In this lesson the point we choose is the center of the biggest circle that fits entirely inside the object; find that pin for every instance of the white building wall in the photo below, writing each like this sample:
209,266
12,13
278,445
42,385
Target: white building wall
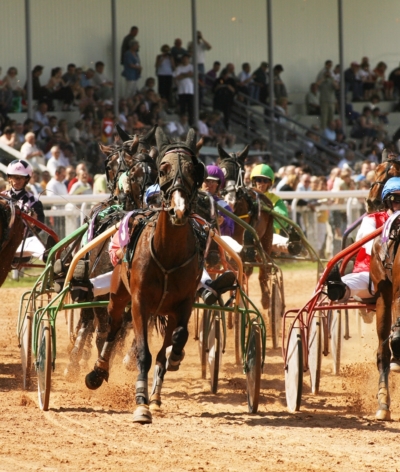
304,32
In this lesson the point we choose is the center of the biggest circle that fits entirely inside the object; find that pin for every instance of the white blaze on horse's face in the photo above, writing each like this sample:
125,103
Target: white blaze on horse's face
230,196
179,208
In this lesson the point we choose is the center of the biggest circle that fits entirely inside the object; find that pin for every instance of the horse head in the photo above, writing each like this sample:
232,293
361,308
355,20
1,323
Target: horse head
390,167
181,174
232,166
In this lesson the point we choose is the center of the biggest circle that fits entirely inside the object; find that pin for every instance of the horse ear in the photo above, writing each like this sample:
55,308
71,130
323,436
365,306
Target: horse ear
153,153
134,146
122,134
243,154
161,139
222,153
191,140
149,137
199,145
105,149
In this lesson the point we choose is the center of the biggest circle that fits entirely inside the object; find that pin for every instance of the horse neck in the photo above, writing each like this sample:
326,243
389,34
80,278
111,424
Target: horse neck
172,244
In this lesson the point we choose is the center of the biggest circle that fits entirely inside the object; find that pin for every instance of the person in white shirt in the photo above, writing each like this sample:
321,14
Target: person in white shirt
81,186
56,187
57,159
42,125
184,78
31,152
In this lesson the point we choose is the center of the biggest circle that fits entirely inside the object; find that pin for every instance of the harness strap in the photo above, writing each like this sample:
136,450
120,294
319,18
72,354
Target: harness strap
165,271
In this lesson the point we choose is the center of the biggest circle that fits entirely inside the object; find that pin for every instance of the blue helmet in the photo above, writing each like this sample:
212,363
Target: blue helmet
392,185
152,191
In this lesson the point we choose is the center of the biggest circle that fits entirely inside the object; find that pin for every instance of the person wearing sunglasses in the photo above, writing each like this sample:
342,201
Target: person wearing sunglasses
262,177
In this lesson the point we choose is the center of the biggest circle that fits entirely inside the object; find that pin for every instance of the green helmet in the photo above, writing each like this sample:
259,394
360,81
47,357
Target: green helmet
262,170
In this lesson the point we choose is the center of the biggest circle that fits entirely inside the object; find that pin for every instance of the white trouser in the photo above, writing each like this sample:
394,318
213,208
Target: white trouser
131,87
358,284
32,248
279,243
101,283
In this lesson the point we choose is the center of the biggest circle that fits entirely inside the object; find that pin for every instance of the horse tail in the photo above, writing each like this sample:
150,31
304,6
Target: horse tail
159,323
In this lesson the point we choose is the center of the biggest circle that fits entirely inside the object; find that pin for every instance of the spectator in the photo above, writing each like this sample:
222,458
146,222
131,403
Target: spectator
312,100
75,134
79,167
184,77
330,131
224,94
132,69
203,130
82,185
56,160
104,86
245,80
56,185
126,43
384,87
367,80
339,217
279,87
59,90
165,66
41,126
8,137
326,71
100,184
64,134
72,79
347,161
212,74
86,79
364,129
178,51
45,180
13,83
19,136
353,82
88,102
34,183
305,183
365,168
69,175
327,98
260,78
202,47
394,77
292,180
40,92
322,219
31,152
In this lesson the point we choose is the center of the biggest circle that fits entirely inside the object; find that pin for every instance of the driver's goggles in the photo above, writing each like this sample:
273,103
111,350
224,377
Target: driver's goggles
394,198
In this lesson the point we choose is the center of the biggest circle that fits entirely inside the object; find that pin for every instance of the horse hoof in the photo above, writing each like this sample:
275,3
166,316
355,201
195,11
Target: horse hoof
383,415
173,360
71,372
142,415
395,365
155,406
94,379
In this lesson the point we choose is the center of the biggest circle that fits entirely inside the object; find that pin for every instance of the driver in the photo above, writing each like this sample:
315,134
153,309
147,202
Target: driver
19,173
262,177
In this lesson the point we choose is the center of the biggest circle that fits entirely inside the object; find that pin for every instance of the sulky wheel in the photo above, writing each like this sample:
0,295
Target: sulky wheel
253,367
275,312
203,321
294,369
44,365
214,349
26,346
336,340
315,352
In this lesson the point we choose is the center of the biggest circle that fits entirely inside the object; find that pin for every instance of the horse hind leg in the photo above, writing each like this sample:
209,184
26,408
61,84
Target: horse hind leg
176,352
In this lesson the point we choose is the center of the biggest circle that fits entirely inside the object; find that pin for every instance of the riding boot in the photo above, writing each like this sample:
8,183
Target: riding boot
295,245
248,251
217,287
338,291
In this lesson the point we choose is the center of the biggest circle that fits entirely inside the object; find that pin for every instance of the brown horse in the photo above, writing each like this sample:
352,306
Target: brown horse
387,285
11,234
141,174
162,277
247,204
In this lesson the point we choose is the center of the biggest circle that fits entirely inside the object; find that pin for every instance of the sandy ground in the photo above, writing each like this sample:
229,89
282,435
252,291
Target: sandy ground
199,431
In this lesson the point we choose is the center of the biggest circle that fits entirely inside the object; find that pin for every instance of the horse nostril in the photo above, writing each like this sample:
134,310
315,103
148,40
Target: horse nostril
172,212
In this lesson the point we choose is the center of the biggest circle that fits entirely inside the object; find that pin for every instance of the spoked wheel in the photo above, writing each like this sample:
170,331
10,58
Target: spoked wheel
315,352
237,326
26,347
275,312
253,368
203,321
336,340
214,349
294,370
44,365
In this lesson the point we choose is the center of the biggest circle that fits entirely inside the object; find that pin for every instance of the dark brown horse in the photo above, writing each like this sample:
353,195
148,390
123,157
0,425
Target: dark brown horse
11,234
162,277
247,204
387,286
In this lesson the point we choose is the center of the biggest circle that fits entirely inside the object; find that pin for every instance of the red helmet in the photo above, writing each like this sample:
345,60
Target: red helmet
215,173
20,167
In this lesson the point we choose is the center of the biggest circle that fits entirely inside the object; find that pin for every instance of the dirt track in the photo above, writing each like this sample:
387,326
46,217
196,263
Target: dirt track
334,431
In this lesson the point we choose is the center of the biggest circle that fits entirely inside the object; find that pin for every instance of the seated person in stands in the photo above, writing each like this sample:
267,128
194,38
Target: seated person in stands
262,178
312,100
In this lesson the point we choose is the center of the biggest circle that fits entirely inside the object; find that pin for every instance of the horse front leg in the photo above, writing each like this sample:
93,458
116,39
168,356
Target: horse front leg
119,297
172,351
383,324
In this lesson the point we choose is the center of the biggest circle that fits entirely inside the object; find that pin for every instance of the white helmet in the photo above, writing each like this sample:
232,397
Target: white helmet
20,167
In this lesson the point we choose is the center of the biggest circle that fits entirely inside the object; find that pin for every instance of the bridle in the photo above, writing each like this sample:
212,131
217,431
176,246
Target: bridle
231,164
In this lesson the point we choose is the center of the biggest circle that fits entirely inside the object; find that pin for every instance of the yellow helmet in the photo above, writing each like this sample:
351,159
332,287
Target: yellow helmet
262,170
